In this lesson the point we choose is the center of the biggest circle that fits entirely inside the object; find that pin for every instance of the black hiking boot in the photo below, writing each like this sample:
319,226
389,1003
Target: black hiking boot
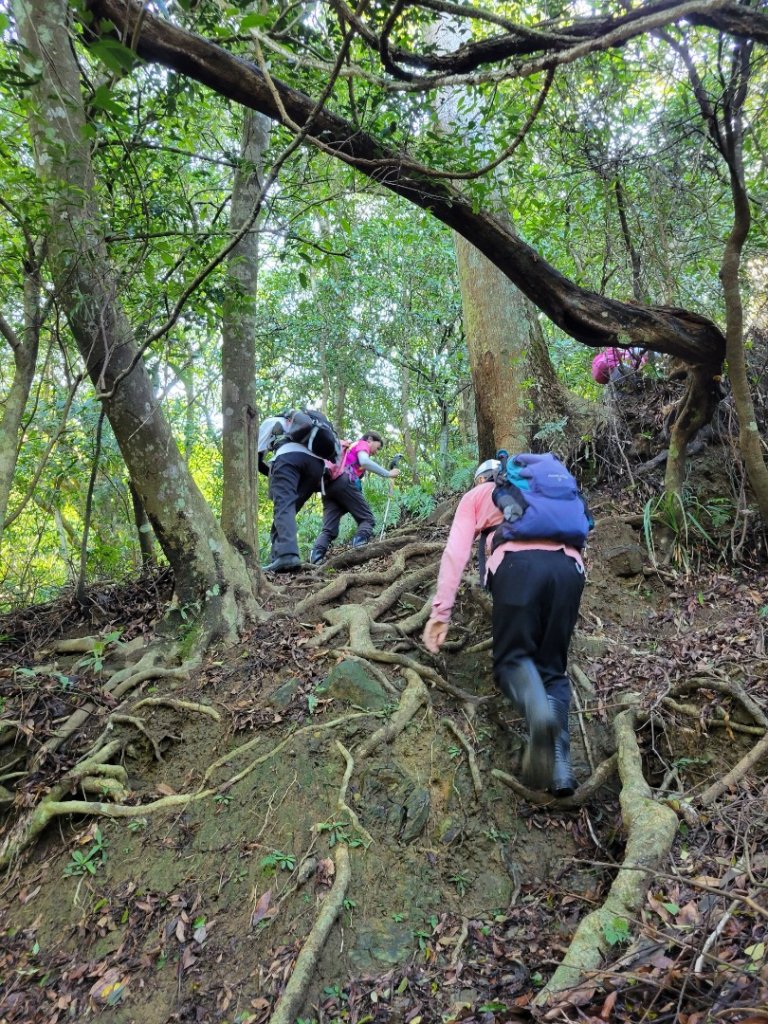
523,686
563,780
284,563
317,556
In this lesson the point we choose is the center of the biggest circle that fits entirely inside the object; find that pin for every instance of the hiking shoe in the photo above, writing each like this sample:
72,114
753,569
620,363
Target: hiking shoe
360,542
284,563
316,556
522,685
563,780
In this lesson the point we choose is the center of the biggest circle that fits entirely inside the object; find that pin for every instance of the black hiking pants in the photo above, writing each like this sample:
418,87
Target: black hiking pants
536,596
344,495
293,479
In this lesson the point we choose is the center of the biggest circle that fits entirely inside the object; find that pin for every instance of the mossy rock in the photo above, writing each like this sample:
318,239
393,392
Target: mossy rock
351,681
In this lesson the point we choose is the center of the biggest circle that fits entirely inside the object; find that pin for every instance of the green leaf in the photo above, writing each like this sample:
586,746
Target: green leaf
104,99
112,53
255,20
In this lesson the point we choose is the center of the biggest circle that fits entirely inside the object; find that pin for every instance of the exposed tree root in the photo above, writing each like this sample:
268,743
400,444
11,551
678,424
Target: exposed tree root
582,680
736,773
118,685
290,1002
414,695
139,726
390,658
474,771
387,683
342,799
407,581
651,830
484,645
721,718
415,621
604,771
393,575
731,687
180,705
94,770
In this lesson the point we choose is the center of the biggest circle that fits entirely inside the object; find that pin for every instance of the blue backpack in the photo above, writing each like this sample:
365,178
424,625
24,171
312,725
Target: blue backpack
540,500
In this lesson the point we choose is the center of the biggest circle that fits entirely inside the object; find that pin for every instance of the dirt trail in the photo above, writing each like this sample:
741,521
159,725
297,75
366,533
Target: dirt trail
463,896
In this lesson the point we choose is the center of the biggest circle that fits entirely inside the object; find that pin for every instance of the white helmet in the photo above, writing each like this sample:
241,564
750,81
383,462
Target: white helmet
488,468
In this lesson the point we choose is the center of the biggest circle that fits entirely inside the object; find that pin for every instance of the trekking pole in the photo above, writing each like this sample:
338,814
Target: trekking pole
392,465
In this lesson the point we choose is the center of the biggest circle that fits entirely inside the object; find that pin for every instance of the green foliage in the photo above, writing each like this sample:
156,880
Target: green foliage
93,661
616,931
89,861
338,832
688,522
278,859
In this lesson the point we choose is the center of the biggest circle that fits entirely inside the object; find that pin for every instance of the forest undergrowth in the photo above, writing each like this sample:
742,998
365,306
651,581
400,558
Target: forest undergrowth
324,822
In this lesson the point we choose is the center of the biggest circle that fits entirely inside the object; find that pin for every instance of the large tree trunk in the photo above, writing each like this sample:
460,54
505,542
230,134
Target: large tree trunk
499,322
584,315
239,508
207,570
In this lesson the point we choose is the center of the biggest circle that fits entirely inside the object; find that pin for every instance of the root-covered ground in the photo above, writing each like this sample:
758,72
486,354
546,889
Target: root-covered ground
324,823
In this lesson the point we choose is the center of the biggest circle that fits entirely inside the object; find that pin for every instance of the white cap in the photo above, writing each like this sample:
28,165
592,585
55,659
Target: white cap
487,467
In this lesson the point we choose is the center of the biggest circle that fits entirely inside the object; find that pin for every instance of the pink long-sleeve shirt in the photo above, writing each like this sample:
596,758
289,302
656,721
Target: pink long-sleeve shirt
477,512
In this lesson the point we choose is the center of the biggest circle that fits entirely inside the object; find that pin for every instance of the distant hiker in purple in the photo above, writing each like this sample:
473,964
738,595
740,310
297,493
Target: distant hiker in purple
343,492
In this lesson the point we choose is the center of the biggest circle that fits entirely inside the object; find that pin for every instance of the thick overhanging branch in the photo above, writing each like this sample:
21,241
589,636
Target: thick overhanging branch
584,315
550,39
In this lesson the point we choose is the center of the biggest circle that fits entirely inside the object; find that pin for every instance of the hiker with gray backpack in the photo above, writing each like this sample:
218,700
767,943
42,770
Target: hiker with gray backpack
343,493
300,440
532,522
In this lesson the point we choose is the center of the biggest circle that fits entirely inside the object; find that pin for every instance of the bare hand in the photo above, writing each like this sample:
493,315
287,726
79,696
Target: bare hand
394,472
434,635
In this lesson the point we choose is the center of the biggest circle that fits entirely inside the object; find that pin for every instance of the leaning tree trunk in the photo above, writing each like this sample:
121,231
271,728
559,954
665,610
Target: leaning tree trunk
750,444
25,347
239,507
208,572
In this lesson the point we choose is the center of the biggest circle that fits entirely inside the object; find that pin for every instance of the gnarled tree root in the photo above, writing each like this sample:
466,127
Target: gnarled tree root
759,751
414,695
94,773
582,796
391,575
651,830
290,1002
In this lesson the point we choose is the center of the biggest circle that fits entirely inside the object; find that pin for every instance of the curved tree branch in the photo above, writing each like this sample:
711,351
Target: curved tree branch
584,315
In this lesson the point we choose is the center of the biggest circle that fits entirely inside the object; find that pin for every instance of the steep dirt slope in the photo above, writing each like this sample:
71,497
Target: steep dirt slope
261,779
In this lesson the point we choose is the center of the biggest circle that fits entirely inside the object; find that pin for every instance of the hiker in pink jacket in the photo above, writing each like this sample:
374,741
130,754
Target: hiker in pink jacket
536,587
613,365
343,493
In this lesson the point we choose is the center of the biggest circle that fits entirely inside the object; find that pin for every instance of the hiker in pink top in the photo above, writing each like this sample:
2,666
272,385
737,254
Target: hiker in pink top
536,587
613,365
343,493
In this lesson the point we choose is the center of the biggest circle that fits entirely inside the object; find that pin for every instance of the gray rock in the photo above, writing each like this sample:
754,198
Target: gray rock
351,681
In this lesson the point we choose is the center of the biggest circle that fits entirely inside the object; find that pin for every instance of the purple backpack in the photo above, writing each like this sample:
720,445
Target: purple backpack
540,500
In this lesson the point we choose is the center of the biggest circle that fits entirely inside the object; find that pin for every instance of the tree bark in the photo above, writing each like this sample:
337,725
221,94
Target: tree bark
239,508
584,315
207,570
25,348
143,528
